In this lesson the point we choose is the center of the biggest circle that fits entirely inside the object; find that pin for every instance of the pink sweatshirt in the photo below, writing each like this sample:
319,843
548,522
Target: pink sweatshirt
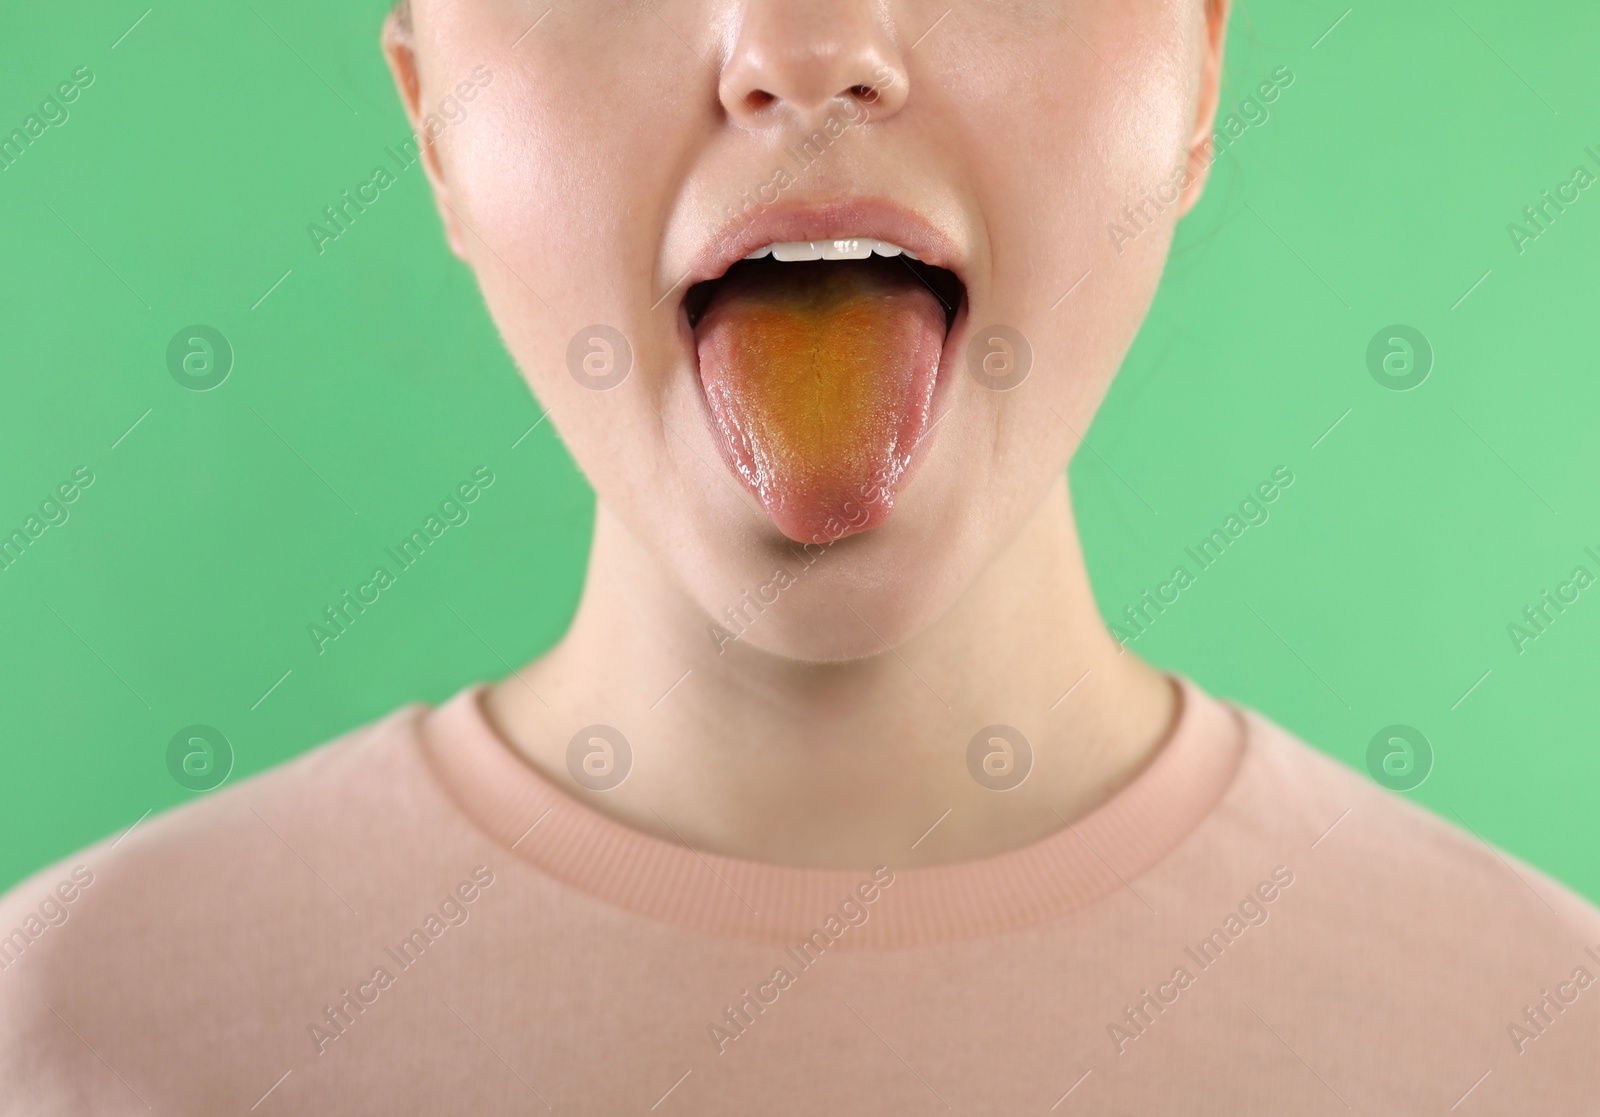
410,919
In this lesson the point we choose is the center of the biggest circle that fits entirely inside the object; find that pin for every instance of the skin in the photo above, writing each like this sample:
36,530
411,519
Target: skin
579,187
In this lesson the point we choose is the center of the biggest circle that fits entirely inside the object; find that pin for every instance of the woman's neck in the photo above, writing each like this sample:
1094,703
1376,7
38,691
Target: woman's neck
854,764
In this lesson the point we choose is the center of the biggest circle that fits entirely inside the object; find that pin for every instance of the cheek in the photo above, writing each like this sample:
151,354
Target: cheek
562,172
538,190
565,192
1080,134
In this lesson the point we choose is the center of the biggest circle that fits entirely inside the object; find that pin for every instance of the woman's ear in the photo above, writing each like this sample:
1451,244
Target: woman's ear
399,48
1200,155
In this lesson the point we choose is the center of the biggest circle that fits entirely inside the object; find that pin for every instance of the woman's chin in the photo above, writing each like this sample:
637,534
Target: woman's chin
858,597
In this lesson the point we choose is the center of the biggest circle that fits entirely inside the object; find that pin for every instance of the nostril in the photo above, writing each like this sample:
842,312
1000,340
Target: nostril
758,99
865,92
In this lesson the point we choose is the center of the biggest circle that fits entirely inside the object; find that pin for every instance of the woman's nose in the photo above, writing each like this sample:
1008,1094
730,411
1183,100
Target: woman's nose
794,59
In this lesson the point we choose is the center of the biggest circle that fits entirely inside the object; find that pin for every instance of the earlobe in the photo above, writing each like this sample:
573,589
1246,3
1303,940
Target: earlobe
398,43
1201,149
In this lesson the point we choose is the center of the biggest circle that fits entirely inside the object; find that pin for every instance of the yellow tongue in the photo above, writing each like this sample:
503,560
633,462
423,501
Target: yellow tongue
819,376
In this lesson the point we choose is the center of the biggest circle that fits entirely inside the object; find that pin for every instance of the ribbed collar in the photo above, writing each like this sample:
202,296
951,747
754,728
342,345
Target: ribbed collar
1048,879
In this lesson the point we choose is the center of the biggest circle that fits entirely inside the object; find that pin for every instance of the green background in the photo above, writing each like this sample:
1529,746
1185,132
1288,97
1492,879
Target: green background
370,381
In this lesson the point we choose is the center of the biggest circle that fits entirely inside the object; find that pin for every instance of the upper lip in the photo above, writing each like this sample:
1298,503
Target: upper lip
836,220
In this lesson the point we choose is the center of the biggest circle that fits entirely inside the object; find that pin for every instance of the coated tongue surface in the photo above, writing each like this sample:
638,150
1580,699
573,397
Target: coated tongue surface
820,377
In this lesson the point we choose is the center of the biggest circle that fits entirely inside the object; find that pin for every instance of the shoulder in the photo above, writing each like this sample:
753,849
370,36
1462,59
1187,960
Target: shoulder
1416,930
356,770
138,952
1361,835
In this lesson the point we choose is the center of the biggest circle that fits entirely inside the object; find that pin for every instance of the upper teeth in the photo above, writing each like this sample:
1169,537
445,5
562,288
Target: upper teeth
857,248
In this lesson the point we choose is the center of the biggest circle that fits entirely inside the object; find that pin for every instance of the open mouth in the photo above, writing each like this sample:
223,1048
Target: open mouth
819,361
